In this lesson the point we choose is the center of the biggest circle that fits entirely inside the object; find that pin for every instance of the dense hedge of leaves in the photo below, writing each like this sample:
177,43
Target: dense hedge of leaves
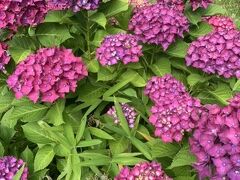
112,89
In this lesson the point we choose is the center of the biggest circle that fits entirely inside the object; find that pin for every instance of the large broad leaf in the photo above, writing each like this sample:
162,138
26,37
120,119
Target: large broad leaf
100,133
178,49
222,93
119,145
58,16
114,7
55,113
33,132
5,101
43,157
161,67
52,34
214,9
106,74
193,16
183,158
200,30
138,81
99,18
1,150
27,156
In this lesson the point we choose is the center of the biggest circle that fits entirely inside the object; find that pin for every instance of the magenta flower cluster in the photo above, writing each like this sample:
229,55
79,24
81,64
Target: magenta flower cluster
9,166
4,57
128,111
85,4
221,23
174,111
216,53
144,171
158,24
216,141
59,4
119,47
49,74
22,13
176,4
200,4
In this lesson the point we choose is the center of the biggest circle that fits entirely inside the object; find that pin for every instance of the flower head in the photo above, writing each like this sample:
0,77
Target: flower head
216,141
144,170
49,74
158,24
4,57
200,3
174,111
22,13
216,53
119,47
85,4
221,23
176,4
59,4
128,111
9,166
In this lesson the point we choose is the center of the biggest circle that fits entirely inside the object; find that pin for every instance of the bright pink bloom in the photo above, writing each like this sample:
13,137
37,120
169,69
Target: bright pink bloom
4,57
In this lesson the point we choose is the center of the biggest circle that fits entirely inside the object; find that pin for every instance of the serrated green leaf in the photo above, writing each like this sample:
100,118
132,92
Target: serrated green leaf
58,16
43,157
214,9
193,79
222,93
114,7
201,30
178,49
161,67
193,16
99,18
55,113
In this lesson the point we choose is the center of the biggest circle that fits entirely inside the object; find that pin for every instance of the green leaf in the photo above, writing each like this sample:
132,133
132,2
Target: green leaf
193,16
100,133
52,34
185,178
193,79
127,161
99,18
5,102
222,93
138,81
29,113
161,149
119,145
92,65
88,143
178,49
236,87
33,132
55,113
18,175
105,74
98,37
58,16
183,158
201,30
214,9
27,156
161,67
43,157
21,46
114,7
1,150
143,148
6,121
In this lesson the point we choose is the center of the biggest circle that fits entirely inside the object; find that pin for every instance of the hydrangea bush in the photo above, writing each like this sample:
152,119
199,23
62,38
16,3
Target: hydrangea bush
119,89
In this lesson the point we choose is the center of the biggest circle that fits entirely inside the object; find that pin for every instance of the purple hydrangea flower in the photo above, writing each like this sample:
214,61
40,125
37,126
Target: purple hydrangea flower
216,53
216,141
176,4
221,23
158,24
200,3
9,166
119,47
59,4
144,170
128,111
85,4
4,57
174,111
49,74
22,13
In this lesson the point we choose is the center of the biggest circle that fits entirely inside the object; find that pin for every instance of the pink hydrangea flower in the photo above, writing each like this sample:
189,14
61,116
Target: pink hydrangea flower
216,141
128,111
49,74
85,4
119,47
176,4
144,170
4,57
200,3
158,24
22,13
174,111
216,53
59,4
9,166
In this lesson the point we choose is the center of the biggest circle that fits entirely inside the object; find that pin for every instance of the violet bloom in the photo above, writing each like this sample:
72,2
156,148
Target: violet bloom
9,166
216,53
128,111
144,170
221,23
216,141
200,4
85,4
59,4
174,111
119,47
158,24
176,4
4,57
22,13
49,74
